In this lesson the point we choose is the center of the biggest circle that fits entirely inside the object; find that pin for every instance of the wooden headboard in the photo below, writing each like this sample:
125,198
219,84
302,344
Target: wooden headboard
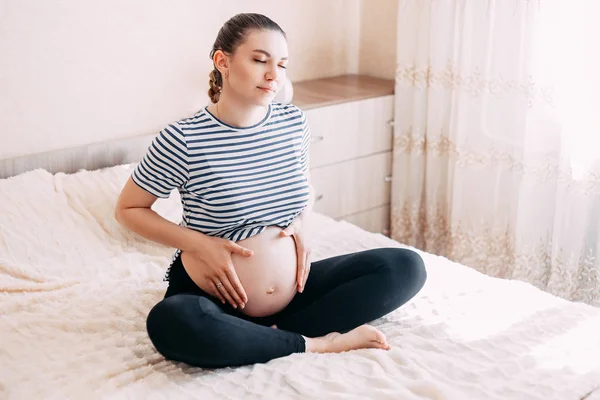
89,157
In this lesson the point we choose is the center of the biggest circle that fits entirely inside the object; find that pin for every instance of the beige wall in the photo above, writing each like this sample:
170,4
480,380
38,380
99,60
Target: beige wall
76,72
378,38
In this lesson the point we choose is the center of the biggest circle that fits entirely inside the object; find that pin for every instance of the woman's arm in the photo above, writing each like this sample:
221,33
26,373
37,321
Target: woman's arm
134,211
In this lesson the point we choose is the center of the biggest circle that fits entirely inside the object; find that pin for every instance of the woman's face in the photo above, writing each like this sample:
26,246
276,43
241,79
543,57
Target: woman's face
257,69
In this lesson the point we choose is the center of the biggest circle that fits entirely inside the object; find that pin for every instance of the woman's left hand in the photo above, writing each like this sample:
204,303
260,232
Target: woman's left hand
296,231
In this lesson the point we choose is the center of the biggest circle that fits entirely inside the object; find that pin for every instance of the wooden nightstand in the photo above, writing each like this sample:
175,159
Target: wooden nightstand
351,159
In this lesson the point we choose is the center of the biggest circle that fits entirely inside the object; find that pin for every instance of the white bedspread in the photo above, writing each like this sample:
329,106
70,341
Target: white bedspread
76,288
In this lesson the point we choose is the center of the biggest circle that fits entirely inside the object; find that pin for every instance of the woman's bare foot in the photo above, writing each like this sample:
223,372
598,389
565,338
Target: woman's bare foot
363,337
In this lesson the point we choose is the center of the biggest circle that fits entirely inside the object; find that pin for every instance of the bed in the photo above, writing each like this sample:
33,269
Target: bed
76,288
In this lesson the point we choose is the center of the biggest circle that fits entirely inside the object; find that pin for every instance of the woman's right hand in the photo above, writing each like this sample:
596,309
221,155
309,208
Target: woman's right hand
211,269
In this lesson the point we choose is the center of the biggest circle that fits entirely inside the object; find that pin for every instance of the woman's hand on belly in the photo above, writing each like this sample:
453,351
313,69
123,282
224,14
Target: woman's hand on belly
211,268
269,276
296,231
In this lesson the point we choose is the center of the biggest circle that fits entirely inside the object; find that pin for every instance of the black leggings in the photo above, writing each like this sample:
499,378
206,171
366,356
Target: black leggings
340,294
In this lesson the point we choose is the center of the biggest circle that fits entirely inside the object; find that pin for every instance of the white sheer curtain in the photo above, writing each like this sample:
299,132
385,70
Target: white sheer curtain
497,138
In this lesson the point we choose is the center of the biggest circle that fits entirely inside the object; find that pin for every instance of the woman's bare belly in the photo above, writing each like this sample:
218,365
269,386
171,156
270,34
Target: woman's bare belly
269,275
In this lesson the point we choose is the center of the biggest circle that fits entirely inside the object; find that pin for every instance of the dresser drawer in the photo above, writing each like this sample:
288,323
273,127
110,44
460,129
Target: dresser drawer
349,130
352,186
376,220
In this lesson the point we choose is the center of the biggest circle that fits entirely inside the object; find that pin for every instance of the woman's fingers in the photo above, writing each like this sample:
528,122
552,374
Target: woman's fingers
236,285
219,277
289,231
226,279
217,293
301,258
306,268
301,266
225,292
229,278
242,251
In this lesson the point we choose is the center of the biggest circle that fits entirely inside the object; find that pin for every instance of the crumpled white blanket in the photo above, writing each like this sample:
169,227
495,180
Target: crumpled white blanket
76,288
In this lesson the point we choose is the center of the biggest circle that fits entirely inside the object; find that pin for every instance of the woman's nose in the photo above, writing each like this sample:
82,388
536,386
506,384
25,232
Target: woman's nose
272,73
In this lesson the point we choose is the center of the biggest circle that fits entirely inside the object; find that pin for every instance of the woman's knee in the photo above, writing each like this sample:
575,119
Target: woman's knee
405,266
173,323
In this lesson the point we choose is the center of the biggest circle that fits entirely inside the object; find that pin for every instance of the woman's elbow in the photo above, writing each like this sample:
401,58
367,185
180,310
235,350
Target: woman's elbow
132,197
119,215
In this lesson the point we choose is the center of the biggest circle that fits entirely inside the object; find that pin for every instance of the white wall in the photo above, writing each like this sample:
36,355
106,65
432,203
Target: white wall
75,72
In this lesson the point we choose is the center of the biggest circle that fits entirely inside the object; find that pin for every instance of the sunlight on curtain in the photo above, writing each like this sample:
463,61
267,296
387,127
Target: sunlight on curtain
574,28
496,158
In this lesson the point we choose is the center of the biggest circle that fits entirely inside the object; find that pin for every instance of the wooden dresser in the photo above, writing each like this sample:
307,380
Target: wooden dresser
350,118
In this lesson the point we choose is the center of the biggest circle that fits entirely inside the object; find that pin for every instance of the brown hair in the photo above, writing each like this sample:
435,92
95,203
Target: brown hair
230,36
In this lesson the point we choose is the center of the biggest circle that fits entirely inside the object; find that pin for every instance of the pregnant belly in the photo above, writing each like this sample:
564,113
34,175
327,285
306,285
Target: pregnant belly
269,275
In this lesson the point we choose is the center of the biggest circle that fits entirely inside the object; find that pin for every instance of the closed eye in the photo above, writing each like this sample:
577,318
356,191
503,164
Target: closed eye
264,62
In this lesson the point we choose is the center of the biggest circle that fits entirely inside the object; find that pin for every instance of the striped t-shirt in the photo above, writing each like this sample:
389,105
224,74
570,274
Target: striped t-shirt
234,182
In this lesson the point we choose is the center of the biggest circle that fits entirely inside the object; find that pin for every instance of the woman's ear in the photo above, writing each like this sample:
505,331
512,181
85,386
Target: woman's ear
221,62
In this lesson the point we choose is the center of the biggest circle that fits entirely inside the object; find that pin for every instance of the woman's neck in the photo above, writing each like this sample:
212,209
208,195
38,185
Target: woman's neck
238,114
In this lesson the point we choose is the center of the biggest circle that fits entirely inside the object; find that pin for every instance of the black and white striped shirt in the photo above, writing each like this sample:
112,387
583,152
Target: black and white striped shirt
233,182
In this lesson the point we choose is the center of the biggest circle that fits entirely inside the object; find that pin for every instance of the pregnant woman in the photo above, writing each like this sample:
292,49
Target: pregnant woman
242,289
